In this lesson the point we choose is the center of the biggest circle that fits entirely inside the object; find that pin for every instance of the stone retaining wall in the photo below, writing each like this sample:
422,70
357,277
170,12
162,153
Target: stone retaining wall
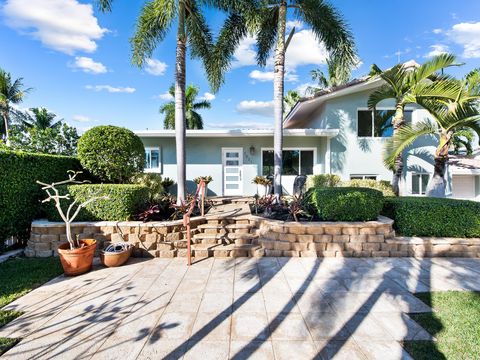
152,239
354,239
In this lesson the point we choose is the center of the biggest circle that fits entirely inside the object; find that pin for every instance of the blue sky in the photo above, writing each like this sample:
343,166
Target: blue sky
78,60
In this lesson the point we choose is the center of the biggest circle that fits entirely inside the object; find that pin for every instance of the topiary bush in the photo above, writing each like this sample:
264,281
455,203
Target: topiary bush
384,186
322,180
345,204
422,216
124,201
19,194
112,154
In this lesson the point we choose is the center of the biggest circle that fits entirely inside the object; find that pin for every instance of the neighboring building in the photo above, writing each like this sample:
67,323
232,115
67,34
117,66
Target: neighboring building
331,132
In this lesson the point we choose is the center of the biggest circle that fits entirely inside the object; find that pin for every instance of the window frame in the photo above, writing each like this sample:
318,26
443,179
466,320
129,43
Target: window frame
382,108
419,184
156,169
299,149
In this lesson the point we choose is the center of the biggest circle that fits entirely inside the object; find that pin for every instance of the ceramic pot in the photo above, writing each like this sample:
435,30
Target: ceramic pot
114,259
77,261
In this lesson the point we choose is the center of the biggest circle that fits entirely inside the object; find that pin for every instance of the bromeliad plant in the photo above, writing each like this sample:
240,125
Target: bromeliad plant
71,213
261,180
206,179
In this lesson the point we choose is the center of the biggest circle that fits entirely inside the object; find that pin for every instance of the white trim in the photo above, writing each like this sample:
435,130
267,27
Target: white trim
314,149
363,176
381,108
240,166
159,168
239,133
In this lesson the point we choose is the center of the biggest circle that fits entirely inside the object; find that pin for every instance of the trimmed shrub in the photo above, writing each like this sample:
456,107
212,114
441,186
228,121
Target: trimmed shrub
112,154
346,204
384,186
20,195
322,181
124,201
422,216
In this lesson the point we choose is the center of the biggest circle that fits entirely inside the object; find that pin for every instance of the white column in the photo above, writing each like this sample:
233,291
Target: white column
327,157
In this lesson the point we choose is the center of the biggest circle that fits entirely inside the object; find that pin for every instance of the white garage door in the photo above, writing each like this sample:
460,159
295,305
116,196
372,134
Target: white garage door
463,186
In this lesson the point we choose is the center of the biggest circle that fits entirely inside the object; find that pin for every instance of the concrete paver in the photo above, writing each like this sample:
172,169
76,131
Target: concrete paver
244,308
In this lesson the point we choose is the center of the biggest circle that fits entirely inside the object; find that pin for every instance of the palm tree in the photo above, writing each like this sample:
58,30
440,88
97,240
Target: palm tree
450,119
290,100
329,28
156,18
463,138
42,119
10,93
405,84
193,118
337,75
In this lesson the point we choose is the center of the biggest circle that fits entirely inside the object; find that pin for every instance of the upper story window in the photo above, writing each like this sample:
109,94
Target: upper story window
363,177
378,124
152,159
295,162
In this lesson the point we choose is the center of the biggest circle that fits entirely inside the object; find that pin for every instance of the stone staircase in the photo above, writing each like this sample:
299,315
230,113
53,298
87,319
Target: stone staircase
226,237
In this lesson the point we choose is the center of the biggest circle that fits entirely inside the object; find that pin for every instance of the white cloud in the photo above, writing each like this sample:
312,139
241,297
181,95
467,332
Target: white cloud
111,89
436,50
164,96
264,76
81,118
437,31
155,67
88,65
294,23
304,49
302,88
245,54
468,36
263,108
207,96
67,26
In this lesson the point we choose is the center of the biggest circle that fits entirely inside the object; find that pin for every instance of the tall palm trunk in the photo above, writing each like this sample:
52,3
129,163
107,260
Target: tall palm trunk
180,131
6,121
398,122
437,185
278,88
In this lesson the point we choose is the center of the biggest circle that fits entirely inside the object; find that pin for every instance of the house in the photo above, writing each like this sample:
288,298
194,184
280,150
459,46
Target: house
331,132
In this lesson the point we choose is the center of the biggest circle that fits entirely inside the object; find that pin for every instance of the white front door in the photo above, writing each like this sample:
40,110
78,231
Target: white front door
232,160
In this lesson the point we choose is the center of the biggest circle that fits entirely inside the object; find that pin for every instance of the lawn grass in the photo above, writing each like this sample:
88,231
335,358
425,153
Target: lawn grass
18,277
455,324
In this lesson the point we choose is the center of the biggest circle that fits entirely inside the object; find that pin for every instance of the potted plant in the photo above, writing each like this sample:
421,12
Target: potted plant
263,185
206,180
75,255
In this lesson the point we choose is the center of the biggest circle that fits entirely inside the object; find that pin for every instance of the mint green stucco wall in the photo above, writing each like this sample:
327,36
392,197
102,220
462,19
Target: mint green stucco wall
204,157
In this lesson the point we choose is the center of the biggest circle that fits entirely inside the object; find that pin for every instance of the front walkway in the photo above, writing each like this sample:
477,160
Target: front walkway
266,308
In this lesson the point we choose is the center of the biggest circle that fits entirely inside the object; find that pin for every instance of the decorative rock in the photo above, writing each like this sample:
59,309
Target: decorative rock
340,238
167,253
281,245
291,253
349,231
367,231
335,247
301,246
306,238
380,254
308,253
315,230
358,238
333,230
375,238
273,253
322,238
287,237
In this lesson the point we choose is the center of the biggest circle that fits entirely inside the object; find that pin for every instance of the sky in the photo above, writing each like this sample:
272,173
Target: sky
77,59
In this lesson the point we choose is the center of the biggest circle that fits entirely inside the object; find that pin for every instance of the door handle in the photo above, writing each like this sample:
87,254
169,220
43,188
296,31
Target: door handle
240,173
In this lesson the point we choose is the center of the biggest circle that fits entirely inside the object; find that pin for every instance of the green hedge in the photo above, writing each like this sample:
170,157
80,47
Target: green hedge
322,181
19,194
124,201
346,204
384,186
422,216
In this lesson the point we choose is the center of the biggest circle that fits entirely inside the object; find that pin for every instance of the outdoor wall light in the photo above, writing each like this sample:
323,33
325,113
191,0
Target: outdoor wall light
252,150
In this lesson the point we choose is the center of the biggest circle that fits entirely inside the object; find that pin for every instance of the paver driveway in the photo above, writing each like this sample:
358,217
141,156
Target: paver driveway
267,308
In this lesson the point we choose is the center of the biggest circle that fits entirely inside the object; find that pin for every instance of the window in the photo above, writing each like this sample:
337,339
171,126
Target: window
419,183
363,177
152,159
295,162
378,124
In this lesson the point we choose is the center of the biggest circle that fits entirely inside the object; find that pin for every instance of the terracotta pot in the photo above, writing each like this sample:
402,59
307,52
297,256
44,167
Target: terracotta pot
77,261
114,259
